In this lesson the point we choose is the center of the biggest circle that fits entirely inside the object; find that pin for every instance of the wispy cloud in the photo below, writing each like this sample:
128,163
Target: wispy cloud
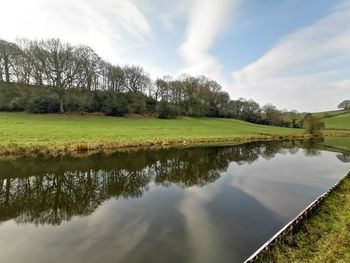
106,25
206,19
303,69
132,19
168,16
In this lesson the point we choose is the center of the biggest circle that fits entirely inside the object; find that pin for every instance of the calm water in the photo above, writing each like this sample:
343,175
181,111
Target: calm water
207,204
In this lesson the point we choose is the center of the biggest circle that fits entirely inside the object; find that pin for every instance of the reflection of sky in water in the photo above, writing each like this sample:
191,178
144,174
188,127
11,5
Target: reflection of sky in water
287,183
223,221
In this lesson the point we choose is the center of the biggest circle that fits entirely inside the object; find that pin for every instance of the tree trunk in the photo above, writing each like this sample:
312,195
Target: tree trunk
7,71
60,91
61,105
60,97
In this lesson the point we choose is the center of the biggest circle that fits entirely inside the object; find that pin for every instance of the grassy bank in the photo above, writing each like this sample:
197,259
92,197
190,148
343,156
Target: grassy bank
24,134
323,237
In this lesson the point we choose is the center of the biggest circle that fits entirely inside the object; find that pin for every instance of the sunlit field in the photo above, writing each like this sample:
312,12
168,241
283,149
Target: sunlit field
29,129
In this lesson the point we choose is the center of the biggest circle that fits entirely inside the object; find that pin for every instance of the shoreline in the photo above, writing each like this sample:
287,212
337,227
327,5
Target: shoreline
14,151
87,149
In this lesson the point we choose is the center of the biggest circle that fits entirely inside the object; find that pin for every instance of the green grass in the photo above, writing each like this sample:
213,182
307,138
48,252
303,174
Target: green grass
327,114
341,121
30,130
324,237
337,119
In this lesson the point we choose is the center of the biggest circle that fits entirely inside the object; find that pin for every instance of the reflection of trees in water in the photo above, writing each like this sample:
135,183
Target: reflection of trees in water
271,149
343,157
52,198
52,191
193,166
311,147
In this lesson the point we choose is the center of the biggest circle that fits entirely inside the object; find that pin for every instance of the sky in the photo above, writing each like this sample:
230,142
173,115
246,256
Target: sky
294,54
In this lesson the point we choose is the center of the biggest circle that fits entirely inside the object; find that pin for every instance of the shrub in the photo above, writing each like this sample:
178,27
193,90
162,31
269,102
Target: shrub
166,110
115,105
45,103
79,101
137,102
16,104
312,125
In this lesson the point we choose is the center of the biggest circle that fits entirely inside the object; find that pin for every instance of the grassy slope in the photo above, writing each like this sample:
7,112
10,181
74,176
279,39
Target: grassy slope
341,121
326,114
28,129
337,119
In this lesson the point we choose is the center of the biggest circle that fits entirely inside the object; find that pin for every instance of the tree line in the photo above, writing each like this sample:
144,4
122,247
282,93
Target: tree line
50,76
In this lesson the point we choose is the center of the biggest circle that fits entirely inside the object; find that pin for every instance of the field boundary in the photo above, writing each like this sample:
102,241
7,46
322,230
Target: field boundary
335,115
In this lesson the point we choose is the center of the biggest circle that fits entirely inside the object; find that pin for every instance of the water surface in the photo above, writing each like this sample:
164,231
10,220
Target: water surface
205,204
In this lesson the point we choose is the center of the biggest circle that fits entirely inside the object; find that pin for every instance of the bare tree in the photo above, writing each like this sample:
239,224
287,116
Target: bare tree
136,79
160,88
89,64
8,53
23,67
58,61
271,114
116,78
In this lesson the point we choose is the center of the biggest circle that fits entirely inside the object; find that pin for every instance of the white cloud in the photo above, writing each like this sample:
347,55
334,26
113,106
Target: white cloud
132,19
206,19
106,25
303,70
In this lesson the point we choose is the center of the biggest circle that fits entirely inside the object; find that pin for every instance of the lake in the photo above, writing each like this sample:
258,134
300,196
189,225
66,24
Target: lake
200,204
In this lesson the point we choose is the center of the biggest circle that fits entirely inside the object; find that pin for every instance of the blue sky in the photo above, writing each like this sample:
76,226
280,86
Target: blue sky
292,53
263,24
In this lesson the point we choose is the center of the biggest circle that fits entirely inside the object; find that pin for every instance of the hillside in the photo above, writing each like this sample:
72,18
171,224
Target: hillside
327,114
338,121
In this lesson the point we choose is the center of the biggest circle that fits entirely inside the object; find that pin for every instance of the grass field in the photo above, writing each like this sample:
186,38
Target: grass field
326,114
341,121
29,131
337,119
